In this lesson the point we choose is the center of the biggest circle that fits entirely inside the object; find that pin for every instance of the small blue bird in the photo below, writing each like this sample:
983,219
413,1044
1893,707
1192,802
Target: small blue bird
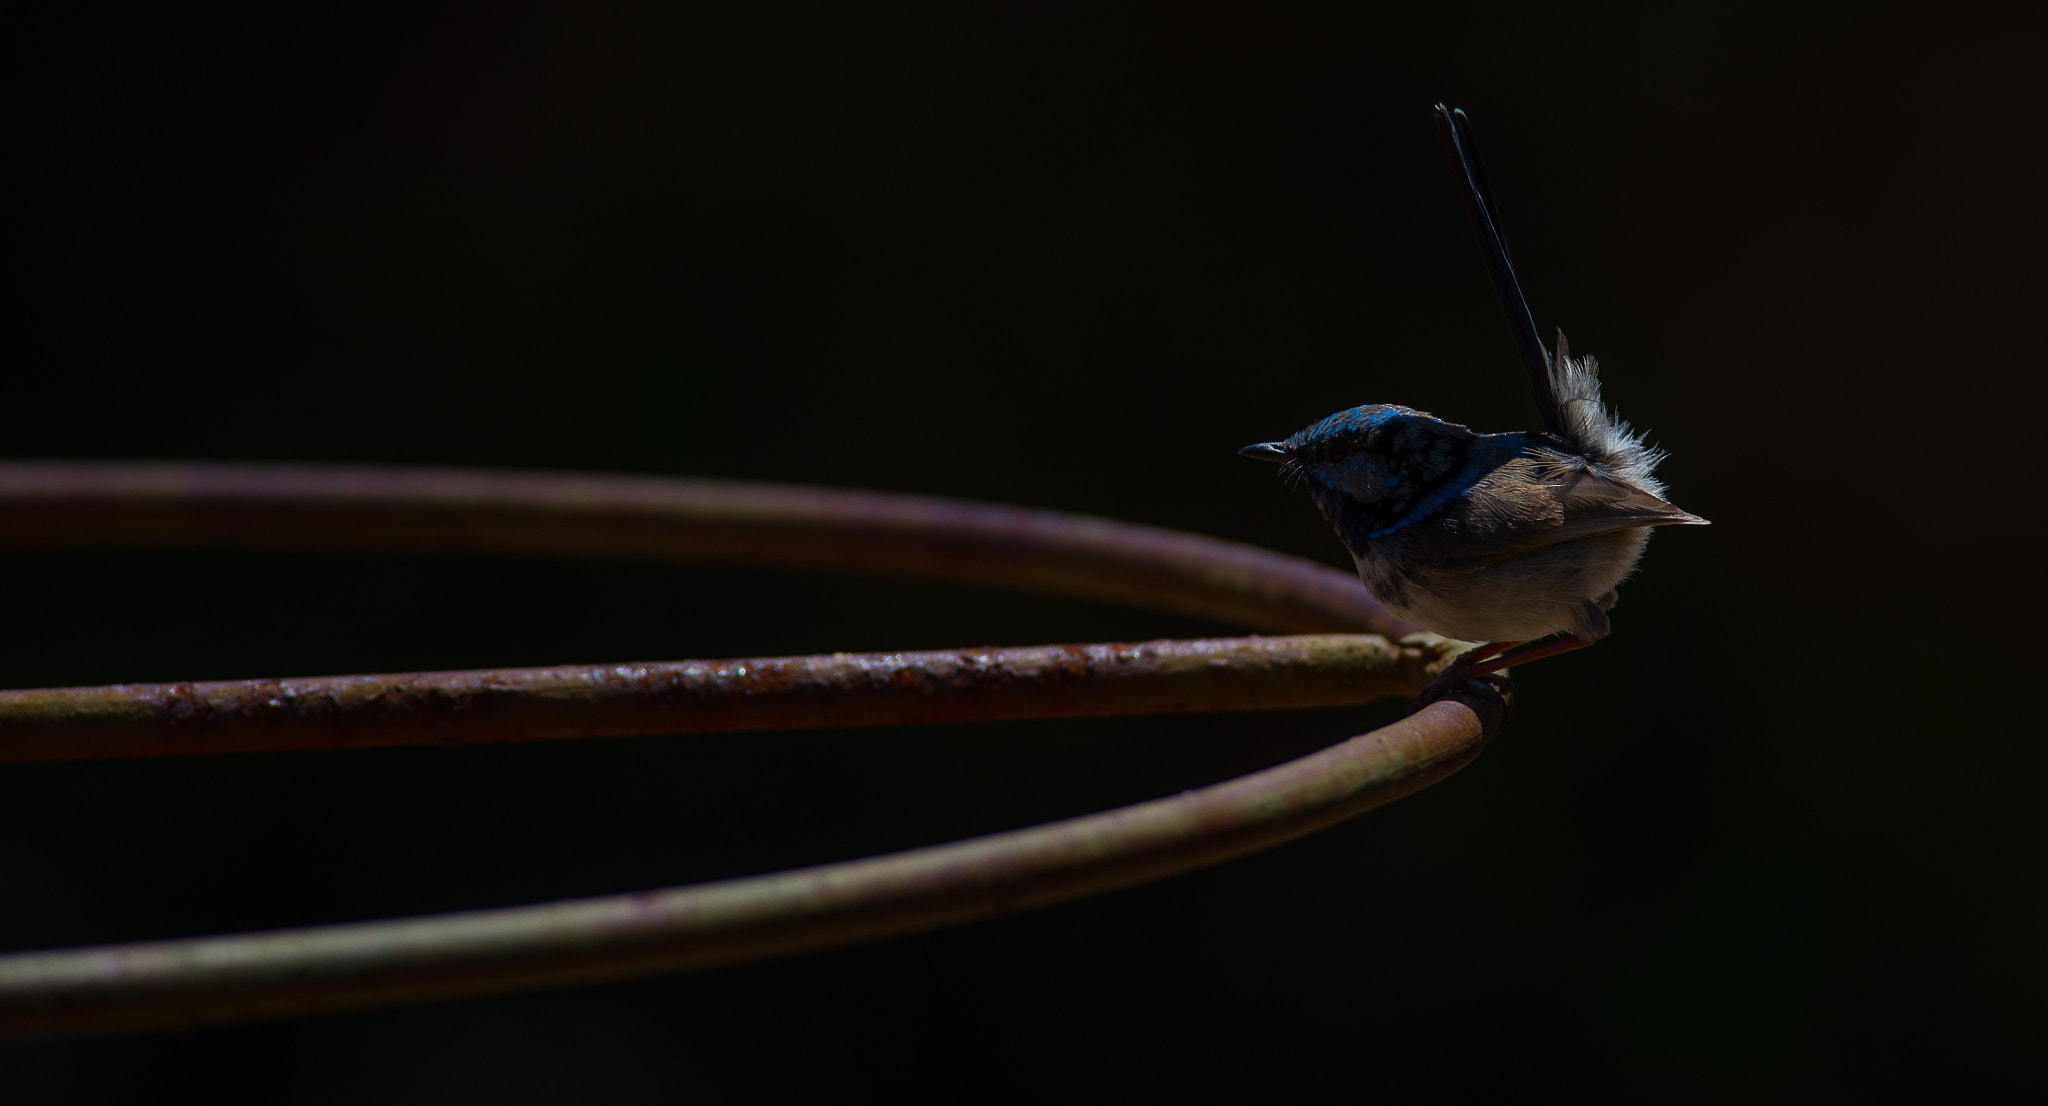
1498,538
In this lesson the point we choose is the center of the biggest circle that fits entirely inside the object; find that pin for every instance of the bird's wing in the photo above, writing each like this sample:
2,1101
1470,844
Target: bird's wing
1597,504
1515,515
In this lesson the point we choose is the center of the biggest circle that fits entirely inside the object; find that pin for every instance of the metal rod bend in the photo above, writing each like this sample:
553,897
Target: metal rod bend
319,969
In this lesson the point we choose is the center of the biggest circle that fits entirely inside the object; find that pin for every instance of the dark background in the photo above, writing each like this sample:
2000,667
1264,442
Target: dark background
1776,838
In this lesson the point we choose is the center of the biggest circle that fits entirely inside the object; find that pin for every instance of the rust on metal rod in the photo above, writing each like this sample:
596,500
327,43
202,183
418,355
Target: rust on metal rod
617,517
319,969
765,693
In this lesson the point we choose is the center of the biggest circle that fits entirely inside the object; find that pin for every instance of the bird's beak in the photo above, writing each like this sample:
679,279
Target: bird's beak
1275,452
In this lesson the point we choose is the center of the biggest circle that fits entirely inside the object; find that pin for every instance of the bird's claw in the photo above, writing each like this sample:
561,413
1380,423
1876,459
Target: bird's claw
1463,681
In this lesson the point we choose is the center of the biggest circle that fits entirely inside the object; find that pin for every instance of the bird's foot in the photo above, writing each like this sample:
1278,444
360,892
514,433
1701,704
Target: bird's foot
1463,669
1492,696
1485,660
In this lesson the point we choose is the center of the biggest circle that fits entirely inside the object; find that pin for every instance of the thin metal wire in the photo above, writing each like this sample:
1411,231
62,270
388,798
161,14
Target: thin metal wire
282,973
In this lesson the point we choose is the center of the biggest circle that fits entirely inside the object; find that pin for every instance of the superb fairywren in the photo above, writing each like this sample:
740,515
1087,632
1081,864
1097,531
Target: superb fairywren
1500,538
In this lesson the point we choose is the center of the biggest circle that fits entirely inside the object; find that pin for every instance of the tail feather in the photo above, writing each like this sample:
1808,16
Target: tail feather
1594,430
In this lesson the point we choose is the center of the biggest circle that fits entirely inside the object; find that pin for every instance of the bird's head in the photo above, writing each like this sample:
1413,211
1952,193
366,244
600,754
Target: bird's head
1347,453
1372,470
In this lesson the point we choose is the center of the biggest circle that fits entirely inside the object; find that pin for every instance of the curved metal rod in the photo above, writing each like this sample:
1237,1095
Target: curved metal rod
764,693
613,517
212,980
240,977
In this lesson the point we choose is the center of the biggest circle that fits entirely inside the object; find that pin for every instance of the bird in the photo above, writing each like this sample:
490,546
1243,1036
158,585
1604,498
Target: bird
1516,540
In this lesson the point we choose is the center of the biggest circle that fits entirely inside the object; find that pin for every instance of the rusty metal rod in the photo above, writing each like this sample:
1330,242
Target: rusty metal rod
766,693
614,517
283,973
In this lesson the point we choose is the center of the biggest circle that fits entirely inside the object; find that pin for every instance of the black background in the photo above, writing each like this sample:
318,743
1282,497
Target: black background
1776,838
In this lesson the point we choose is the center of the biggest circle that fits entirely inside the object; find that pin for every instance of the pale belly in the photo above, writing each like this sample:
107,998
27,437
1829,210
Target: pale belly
1562,588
